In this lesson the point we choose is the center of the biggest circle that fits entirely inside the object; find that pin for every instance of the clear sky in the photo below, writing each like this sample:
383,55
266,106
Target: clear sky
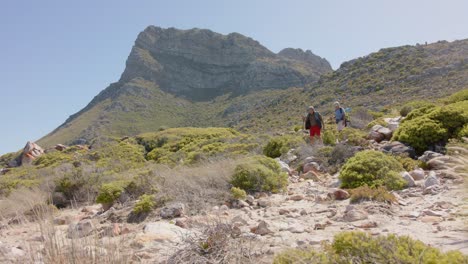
55,56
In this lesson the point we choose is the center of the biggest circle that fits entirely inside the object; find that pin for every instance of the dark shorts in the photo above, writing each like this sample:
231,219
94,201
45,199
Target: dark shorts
315,131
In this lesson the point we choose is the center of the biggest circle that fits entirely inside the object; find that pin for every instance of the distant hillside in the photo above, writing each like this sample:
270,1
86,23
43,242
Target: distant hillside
158,90
389,77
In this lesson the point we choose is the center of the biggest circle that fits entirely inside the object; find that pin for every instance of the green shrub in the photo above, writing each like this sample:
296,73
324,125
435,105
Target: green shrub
353,136
420,133
408,107
145,204
329,138
372,168
463,132
109,192
238,193
190,145
452,117
378,121
360,247
457,97
259,173
418,113
366,193
430,125
278,146
408,163
52,159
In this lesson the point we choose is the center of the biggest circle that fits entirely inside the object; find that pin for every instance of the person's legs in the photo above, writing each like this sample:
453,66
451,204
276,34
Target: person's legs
315,132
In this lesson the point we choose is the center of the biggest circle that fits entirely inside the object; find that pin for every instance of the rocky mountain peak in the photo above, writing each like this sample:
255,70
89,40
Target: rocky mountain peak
202,64
304,56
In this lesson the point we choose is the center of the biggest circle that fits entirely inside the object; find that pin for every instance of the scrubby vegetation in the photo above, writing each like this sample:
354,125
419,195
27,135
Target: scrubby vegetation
427,126
366,193
359,247
372,168
259,173
145,204
238,193
189,145
278,146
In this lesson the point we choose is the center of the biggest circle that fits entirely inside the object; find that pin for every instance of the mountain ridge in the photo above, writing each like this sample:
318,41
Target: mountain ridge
137,103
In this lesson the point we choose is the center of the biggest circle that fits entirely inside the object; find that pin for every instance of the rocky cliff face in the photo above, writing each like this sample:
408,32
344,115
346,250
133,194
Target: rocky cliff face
201,64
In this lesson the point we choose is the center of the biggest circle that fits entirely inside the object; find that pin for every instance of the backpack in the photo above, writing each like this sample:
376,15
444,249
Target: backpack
346,121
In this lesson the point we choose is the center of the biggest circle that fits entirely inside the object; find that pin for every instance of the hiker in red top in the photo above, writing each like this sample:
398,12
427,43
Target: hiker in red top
314,122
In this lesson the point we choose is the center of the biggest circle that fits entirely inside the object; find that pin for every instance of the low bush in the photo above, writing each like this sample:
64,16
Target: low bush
329,138
278,146
372,168
259,173
410,106
362,247
457,97
110,192
353,136
420,133
145,204
366,193
190,145
408,163
238,193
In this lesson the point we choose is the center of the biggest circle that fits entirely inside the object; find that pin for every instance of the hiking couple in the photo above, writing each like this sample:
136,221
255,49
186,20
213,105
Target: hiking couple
314,121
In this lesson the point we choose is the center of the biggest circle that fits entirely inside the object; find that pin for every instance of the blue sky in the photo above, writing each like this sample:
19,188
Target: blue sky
55,56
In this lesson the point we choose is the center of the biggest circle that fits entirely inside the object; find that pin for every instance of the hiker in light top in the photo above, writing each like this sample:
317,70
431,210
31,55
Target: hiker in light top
314,122
340,117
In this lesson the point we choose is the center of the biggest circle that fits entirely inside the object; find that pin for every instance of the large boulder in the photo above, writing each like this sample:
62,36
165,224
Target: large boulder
380,133
408,178
164,232
429,155
31,152
398,148
172,210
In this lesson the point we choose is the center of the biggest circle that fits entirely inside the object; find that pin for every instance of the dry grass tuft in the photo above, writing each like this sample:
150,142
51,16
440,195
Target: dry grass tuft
219,243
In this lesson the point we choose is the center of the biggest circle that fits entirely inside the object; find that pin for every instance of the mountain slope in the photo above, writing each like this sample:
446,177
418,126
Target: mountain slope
139,102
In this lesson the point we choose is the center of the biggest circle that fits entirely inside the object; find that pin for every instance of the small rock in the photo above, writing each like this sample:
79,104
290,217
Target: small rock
297,197
163,232
409,180
81,229
340,194
284,166
354,215
264,203
417,174
312,166
241,204
17,252
182,223
297,229
262,229
311,175
434,189
250,199
431,180
432,213
303,212
367,225
428,155
430,219
172,210
283,211
60,147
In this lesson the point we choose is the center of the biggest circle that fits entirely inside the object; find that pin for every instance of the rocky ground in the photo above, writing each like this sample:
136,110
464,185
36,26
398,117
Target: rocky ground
434,210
